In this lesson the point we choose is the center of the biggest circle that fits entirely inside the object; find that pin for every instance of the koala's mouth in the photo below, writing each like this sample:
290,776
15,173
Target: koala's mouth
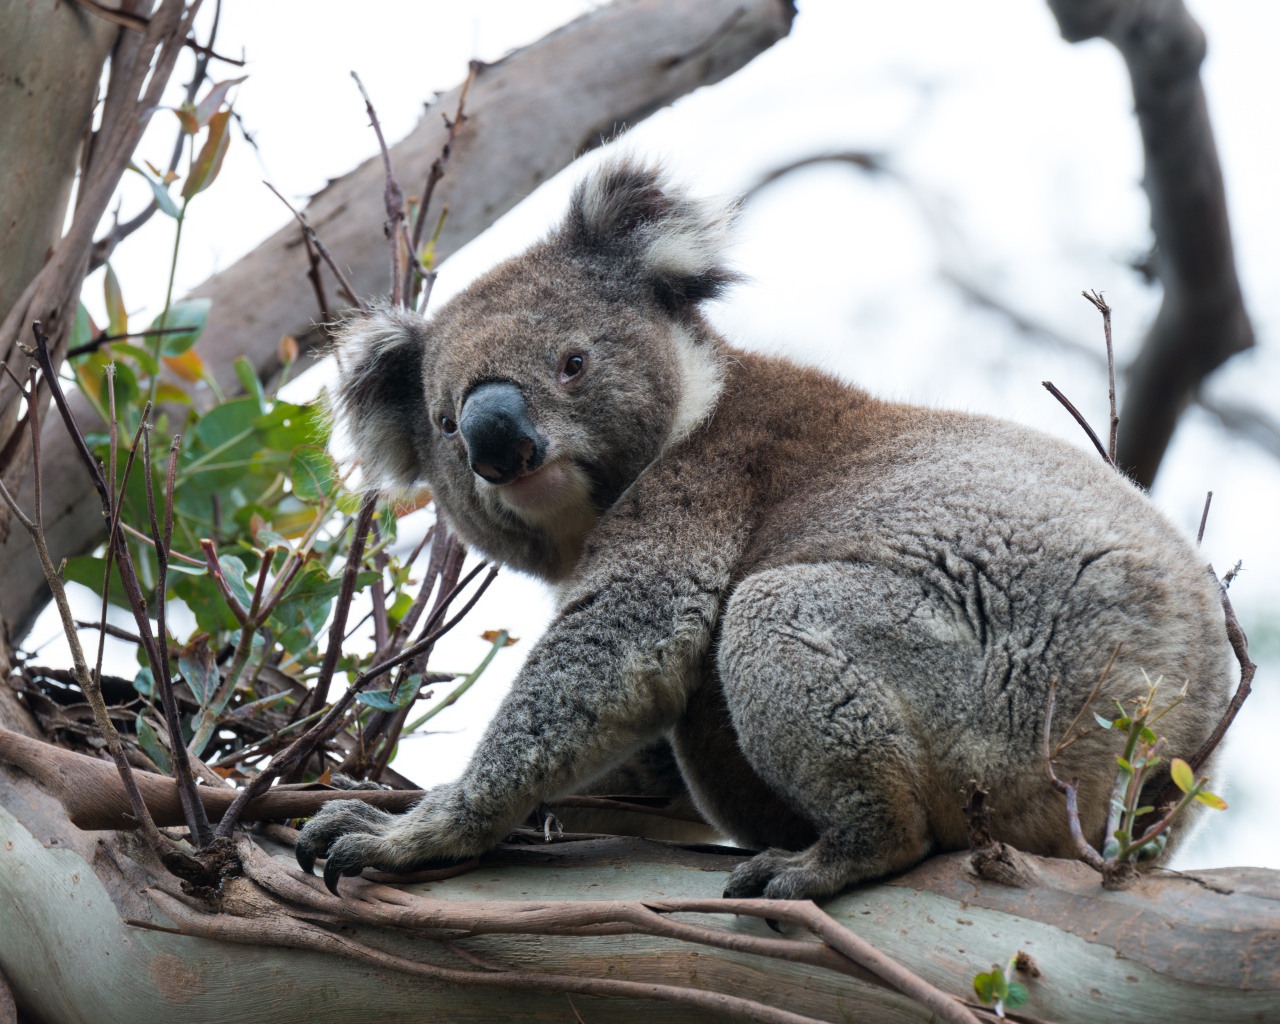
552,487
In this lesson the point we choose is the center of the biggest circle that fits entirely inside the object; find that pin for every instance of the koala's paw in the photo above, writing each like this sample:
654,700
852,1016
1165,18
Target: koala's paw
351,836
334,819
782,875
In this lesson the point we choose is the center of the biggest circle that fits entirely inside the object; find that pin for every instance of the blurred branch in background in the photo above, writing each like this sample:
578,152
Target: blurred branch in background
540,108
1202,320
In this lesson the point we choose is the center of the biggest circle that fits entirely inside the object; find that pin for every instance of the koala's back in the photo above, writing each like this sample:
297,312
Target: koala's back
994,560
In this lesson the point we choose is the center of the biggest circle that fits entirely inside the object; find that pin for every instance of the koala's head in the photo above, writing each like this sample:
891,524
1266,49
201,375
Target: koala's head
533,399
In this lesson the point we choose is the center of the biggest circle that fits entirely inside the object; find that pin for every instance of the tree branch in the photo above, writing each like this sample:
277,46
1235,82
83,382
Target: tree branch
1202,320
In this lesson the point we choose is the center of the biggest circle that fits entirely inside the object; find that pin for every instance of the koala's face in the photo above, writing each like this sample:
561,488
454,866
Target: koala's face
533,399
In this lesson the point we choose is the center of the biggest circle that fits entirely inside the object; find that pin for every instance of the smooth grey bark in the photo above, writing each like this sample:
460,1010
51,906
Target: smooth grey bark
51,57
1198,947
529,115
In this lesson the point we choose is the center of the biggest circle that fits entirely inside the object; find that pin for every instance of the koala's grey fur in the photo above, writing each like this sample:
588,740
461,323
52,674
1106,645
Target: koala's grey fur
838,610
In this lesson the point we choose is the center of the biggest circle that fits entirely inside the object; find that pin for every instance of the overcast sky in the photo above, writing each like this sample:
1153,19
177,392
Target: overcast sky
1024,163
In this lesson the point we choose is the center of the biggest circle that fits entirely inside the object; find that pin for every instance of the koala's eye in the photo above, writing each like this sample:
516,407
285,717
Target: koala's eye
448,426
573,366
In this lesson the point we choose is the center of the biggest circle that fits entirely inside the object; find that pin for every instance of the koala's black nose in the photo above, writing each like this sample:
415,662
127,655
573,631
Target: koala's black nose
502,442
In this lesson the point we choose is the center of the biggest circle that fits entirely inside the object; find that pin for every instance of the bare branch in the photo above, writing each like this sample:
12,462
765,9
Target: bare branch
392,197
1204,518
1202,320
1095,297
1068,789
1079,418
347,290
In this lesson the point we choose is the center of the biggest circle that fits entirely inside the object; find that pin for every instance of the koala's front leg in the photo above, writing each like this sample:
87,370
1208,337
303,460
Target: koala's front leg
611,673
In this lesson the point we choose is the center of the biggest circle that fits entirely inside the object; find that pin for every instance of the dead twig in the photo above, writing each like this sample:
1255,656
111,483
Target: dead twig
1240,647
348,292
1067,738
392,197
1069,790
434,175
1204,518
1095,297
1079,418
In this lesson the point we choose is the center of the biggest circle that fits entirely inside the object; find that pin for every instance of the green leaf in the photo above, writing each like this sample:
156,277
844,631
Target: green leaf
199,668
144,682
209,161
233,570
248,378
117,315
202,596
83,329
143,358
164,201
190,314
1212,800
1016,997
312,473
1123,723
998,985
984,987
1182,775
1104,722
400,608
151,746
1124,765
1147,736
213,99
385,700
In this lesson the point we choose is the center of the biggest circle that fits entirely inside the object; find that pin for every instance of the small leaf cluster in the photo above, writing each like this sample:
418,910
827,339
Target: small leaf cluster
1142,754
262,517
995,988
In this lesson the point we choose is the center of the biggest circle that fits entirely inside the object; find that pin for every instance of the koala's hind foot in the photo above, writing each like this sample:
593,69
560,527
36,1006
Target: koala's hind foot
824,868
810,662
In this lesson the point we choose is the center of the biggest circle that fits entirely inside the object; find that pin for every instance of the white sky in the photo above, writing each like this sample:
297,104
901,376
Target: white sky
1023,148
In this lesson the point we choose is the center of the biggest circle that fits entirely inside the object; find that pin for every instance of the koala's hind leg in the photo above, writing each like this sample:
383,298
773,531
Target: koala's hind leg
816,662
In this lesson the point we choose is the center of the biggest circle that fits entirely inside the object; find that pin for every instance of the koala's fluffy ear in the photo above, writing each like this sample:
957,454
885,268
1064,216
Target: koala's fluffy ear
379,399
630,210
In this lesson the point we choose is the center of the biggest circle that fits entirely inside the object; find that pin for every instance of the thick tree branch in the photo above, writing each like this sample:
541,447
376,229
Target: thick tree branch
528,115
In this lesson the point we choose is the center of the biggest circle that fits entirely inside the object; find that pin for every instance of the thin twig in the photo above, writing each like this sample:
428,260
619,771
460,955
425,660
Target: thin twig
1099,303
1070,790
348,291
1066,403
179,863
1204,518
392,197
1240,646
197,820
434,175
174,859
313,275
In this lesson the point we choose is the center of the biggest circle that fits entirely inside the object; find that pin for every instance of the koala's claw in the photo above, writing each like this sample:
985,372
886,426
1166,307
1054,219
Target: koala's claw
332,822
347,856
781,875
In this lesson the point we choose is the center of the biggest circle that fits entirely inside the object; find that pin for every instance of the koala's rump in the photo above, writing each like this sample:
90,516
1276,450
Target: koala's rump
995,560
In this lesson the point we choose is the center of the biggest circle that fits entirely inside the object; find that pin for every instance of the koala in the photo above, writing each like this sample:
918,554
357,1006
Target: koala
837,610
